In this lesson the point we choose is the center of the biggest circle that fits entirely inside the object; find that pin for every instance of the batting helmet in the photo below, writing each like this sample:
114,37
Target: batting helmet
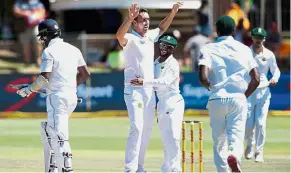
48,29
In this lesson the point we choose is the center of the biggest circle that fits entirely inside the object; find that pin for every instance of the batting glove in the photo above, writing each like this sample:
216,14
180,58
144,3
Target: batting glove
24,92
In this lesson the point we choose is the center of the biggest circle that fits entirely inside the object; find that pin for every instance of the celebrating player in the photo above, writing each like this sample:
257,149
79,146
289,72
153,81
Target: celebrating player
224,68
138,47
171,103
259,101
62,70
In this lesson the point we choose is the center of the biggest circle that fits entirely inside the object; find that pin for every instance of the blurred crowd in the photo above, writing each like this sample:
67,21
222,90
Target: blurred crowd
28,13
202,33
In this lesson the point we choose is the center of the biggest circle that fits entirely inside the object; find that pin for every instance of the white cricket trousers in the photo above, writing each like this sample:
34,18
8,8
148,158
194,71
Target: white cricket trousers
59,108
258,107
140,103
170,117
227,120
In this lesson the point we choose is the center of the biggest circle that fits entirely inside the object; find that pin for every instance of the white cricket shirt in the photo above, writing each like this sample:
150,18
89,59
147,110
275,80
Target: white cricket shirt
266,61
139,55
167,77
62,60
229,62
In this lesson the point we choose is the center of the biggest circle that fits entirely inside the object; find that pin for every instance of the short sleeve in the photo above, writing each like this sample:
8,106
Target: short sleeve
47,62
129,37
154,34
204,58
81,61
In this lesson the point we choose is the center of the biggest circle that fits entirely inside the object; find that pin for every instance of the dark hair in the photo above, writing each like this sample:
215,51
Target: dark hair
224,32
142,10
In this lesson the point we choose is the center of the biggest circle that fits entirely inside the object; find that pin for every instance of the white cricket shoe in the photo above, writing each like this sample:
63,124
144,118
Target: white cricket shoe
259,157
249,153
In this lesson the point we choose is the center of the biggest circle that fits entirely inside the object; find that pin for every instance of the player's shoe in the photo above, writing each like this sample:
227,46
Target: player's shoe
249,153
141,170
233,164
259,157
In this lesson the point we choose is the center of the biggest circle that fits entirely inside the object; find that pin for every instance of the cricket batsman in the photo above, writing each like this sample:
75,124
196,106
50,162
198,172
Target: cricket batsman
259,101
62,70
138,47
225,68
171,103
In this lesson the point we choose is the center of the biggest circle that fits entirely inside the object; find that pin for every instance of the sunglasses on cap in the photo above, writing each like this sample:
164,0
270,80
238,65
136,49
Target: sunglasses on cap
165,45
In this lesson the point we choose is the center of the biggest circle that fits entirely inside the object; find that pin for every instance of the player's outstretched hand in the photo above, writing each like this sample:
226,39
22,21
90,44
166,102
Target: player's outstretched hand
24,92
272,82
176,6
133,12
137,81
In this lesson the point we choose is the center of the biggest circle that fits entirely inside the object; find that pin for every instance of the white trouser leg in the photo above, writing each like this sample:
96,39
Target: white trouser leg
170,115
148,119
218,113
59,109
227,120
134,103
235,128
250,124
261,119
259,103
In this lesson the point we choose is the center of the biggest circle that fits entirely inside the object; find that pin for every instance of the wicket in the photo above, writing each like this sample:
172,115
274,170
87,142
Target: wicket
192,145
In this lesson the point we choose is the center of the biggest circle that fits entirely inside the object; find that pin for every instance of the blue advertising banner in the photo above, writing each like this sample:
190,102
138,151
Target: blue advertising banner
106,93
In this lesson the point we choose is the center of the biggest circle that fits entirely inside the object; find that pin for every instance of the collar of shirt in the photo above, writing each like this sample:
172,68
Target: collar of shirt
137,34
254,53
165,62
55,40
224,38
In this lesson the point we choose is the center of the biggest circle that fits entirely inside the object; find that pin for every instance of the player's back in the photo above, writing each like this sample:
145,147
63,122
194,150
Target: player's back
230,67
66,58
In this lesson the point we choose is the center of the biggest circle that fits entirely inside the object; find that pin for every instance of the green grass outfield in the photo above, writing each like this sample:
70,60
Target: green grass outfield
98,146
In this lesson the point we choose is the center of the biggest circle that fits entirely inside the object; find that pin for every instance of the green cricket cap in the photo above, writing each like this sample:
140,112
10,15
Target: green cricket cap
169,39
259,33
225,24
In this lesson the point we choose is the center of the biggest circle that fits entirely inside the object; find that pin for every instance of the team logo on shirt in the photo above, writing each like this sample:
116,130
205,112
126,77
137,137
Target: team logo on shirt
142,41
264,58
201,56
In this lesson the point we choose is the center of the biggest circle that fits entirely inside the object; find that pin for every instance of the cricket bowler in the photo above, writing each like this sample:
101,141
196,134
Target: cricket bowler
138,47
259,101
226,66
171,104
62,70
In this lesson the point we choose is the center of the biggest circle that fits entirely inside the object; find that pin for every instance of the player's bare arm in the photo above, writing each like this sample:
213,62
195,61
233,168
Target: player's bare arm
203,76
166,22
255,81
83,74
133,12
